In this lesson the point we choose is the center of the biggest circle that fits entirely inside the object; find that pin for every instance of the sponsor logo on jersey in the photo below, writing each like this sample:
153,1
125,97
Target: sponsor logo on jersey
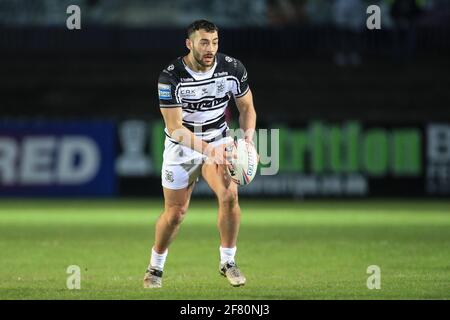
187,93
244,77
206,104
220,74
228,59
164,91
187,79
171,67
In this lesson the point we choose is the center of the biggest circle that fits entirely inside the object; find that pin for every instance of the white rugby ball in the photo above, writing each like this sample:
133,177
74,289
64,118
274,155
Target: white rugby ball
244,168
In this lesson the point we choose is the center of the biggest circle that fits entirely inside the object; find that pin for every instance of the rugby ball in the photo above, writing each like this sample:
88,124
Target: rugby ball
244,166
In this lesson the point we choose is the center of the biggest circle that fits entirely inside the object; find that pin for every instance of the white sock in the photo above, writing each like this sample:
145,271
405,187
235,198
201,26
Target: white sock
227,254
157,260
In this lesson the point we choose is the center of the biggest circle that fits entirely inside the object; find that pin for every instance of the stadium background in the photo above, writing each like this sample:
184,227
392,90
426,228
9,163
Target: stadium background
363,115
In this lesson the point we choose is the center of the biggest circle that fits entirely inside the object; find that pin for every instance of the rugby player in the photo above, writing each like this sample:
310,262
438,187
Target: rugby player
194,91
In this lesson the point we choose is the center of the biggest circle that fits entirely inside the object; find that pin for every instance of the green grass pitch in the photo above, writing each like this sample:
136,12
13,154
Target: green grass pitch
287,250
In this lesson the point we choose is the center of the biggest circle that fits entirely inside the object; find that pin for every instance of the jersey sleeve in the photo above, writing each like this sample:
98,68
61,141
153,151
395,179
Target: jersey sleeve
242,87
167,86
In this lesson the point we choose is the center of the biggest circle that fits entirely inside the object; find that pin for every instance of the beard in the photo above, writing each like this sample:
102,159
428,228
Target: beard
200,61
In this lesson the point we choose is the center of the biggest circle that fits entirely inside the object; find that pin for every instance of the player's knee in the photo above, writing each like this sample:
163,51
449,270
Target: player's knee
228,198
175,215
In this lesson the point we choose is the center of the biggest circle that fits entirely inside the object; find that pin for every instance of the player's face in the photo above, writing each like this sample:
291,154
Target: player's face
204,46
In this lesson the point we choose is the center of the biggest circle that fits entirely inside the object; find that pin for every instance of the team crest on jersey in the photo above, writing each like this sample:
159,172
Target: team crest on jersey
169,176
220,86
228,59
164,91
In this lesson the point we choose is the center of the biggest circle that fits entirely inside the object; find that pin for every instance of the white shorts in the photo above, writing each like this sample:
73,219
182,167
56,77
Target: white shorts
177,171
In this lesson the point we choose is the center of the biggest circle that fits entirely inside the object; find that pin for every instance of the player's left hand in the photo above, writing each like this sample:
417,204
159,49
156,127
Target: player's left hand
249,140
222,154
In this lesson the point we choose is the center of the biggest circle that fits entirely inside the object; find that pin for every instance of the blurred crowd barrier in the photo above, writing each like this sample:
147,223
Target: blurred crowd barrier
286,89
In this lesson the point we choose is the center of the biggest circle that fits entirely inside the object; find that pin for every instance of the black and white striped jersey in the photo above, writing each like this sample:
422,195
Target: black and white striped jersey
203,97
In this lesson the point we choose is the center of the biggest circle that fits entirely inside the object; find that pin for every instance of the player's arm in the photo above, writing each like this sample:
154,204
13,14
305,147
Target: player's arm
244,101
247,115
174,124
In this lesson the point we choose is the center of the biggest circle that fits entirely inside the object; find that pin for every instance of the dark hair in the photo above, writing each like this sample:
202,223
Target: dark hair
201,24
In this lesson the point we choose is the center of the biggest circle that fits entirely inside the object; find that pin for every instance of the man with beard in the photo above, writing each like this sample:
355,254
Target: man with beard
194,91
